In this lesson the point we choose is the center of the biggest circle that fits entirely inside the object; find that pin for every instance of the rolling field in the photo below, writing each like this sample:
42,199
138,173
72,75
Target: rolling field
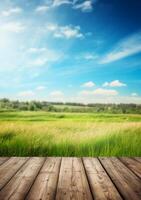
69,134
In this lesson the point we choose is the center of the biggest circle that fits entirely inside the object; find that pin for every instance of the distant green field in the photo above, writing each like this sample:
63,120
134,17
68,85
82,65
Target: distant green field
50,116
69,134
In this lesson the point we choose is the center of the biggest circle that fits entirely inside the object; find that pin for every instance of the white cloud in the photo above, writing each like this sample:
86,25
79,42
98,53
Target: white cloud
42,9
87,56
57,3
99,92
11,11
41,56
36,50
40,88
91,98
38,62
15,27
28,93
52,27
115,83
86,97
126,47
86,6
88,84
67,32
134,94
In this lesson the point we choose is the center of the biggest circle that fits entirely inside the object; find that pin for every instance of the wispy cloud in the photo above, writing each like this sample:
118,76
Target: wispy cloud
42,9
38,62
91,98
51,4
41,56
88,84
11,11
87,56
66,32
36,50
86,6
126,47
90,56
60,2
40,88
134,94
15,27
99,92
115,83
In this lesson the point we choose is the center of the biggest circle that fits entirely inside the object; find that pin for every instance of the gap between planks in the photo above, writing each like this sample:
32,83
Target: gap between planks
70,178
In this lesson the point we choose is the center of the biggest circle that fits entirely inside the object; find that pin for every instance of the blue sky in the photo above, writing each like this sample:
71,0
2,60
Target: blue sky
69,50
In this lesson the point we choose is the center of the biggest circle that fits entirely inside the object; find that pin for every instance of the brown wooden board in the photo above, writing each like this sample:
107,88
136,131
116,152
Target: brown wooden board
20,184
128,184
101,185
45,185
9,168
3,159
133,165
72,181
138,158
51,178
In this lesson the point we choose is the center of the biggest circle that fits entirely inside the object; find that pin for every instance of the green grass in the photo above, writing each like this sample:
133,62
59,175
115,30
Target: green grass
50,116
69,134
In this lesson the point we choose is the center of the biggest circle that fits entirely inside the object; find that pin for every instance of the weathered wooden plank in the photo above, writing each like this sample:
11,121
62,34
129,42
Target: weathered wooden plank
20,184
46,183
72,182
9,168
138,158
128,184
133,165
3,159
101,185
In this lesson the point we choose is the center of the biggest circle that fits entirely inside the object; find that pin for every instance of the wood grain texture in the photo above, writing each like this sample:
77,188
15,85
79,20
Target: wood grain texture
128,184
3,159
52,178
19,185
44,187
138,158
133,165
101,185
9,168
72,181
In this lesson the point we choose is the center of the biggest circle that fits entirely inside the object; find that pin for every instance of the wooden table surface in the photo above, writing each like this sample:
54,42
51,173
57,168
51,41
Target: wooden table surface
70,178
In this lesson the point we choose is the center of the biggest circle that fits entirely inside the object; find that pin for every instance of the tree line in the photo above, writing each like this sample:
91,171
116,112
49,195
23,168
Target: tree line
8,105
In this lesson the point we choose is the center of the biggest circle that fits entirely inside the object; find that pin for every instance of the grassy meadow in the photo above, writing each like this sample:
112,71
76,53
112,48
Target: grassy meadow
41,133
